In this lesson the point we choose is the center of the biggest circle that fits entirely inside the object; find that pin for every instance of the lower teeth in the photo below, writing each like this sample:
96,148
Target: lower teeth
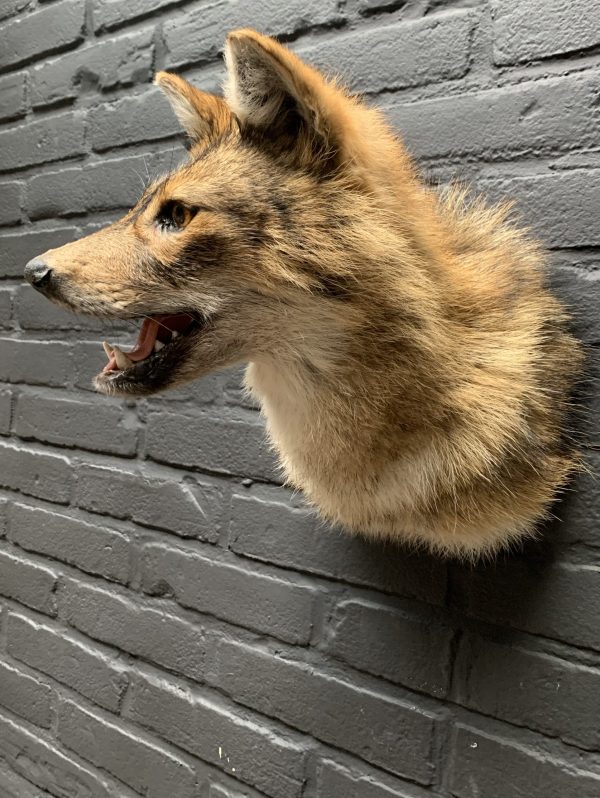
122,361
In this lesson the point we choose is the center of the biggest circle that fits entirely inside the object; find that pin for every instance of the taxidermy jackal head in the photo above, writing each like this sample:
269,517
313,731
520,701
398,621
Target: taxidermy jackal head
412,366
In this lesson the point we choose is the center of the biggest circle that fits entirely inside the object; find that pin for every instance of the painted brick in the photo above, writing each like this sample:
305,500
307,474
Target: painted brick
228,445
114,183
205,391
110,14
13,786
384,730
13,101
333,779
90,547
35,473
6,403
45,766
131,625
578,515
372,6
563,592
4,505
220,791
28,583
531,689
142,118
34,312
254,753
264,602
25,696
560,206
37,142
89,670
34,362
410,648
199,36
16,249
532,117
189,509
433,49
271,530
101,426
42,32
10,7
483,764
144,766
104,65
10,203
543,28
580,292
6,302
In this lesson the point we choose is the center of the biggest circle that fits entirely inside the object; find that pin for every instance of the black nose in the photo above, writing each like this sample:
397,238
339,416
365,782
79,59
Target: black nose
38,273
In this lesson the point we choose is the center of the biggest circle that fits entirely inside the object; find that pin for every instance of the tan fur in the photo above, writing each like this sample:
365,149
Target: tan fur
412,366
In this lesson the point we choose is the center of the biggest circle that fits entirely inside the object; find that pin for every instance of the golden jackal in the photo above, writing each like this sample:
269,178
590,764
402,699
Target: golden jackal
412,366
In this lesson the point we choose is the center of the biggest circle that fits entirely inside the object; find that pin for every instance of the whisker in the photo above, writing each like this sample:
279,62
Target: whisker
147,172
148,316
140,178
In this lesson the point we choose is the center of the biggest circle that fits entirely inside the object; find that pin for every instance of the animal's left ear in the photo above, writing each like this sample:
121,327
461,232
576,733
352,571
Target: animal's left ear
291,105
202,116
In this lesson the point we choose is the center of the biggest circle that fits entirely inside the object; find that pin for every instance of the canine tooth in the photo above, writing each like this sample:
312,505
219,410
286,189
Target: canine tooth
174,334
108,349
158,345
123,362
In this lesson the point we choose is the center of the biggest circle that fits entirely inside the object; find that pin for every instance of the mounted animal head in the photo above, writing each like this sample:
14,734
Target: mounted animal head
247,248
412,365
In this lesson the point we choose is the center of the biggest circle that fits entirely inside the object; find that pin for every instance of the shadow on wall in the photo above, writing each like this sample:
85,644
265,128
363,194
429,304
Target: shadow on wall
547,586
509,619
531,589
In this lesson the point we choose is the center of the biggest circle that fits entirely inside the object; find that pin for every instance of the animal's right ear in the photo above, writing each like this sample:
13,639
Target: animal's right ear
284,101
203,116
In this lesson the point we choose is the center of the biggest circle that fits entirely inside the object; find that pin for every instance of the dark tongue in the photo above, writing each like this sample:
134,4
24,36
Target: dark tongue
153,327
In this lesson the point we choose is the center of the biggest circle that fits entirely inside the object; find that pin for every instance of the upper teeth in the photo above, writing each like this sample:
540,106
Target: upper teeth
158,345
174,334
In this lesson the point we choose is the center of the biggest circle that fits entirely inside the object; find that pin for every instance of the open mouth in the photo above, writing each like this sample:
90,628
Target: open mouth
163,344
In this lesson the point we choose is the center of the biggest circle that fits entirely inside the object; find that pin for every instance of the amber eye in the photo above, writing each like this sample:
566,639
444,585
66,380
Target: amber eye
174,216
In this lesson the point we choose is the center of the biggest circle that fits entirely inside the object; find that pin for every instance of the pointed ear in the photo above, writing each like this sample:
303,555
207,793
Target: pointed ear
272,91
203,116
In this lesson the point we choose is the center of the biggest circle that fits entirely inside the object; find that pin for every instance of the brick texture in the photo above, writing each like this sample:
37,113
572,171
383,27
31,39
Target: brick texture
543,28
13,101
109,63
49,29
25,696
173,621
256,751
37,142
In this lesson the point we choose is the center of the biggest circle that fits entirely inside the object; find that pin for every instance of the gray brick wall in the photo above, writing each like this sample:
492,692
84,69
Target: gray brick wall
173,623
